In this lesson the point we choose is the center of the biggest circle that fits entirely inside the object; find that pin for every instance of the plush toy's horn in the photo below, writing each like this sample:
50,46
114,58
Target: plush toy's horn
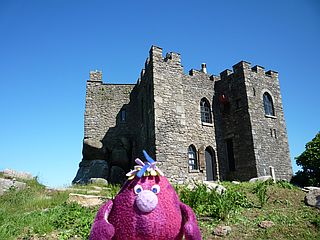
147,164
149,159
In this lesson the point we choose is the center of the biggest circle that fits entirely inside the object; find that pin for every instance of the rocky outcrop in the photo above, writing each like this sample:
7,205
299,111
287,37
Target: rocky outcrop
91,169
117,175
9,173
93,149
313,198
6,184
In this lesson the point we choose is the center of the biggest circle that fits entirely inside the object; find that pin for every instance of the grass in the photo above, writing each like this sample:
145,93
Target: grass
39,213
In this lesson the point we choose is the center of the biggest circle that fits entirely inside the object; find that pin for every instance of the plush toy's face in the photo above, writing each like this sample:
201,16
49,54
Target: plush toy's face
146,199
147,193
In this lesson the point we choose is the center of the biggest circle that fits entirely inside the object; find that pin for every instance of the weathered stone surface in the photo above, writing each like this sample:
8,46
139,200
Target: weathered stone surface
262,179
93,149
6,184
91,169
222,231
312,198
266,224
9,173
162,112
117,175
311,188
99,181
214,186
86,200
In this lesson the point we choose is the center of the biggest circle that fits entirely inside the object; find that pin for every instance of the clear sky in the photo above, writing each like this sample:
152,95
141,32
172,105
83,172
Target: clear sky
47,49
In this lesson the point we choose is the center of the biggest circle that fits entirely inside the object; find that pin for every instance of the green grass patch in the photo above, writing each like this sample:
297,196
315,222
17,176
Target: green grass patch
39,213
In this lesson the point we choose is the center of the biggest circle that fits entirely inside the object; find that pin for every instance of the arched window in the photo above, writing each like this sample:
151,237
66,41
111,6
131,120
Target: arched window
205,111
268,104
192,155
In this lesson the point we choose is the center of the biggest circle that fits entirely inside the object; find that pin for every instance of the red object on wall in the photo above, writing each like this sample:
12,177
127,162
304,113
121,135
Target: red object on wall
223,99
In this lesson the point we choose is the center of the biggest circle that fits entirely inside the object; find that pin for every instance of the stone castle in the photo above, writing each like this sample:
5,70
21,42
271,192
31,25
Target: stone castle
197,126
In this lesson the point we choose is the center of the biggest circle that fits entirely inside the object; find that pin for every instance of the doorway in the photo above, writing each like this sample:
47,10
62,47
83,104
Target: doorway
210,164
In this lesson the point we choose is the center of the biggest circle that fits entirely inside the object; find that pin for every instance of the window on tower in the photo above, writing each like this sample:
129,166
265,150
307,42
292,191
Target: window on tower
192,156
123,115
268,104
205,111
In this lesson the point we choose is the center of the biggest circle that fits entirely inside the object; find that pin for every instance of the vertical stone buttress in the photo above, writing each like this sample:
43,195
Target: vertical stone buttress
169,114
233,121
269,133
259,141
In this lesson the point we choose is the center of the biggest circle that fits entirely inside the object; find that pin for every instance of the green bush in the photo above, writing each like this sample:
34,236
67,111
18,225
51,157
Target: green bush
309,160
212,204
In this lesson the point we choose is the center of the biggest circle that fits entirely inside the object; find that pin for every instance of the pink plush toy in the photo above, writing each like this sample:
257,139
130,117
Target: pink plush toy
147,207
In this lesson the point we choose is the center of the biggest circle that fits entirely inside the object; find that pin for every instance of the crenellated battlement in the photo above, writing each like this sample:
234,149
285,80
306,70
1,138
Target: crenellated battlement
155,54
95,76
244,67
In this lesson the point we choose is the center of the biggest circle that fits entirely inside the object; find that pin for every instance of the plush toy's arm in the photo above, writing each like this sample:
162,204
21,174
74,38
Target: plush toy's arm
102,229
190,228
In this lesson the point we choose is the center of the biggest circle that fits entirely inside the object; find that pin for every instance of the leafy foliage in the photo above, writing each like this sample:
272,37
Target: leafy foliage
261,191
212,204
309,160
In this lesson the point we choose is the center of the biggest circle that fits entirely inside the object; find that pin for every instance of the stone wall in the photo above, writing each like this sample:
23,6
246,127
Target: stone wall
163,116
269,133
233,121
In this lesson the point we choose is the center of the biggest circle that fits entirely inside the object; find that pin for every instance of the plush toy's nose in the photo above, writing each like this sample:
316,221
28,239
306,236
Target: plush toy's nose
146,201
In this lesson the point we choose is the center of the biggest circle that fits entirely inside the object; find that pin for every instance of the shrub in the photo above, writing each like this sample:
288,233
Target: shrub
309,160
212,204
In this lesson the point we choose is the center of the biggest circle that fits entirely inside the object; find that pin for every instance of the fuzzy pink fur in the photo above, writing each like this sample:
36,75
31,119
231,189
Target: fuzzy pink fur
171,219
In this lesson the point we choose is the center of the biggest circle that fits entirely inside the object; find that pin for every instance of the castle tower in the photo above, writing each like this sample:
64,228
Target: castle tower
196,126
253,134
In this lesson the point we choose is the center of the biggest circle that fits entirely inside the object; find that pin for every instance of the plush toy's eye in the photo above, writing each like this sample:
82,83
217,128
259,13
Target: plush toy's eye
137,189
155,189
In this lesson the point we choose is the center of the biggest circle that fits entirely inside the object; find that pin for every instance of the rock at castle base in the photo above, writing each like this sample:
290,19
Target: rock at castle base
9,173
93,149
222,231
98,181
91,169
211,186
313,198
262,179
6,184
117,175
214,186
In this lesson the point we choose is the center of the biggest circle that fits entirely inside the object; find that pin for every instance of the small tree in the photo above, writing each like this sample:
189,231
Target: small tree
309,160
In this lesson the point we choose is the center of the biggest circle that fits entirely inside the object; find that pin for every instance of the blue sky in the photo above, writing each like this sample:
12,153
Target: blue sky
47,49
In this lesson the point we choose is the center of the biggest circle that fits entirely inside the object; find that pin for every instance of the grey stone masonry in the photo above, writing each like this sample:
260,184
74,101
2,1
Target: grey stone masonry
197,126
